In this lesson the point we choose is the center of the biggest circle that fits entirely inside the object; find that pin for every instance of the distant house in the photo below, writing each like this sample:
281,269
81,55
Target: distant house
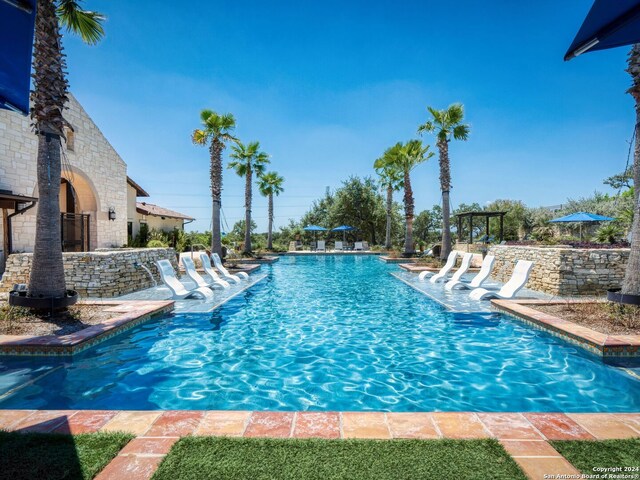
98,202
159,218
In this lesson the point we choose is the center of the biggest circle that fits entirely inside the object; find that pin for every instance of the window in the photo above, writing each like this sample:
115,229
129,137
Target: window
70,135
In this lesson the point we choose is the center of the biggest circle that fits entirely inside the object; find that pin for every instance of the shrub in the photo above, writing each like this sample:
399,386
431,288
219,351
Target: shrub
156,244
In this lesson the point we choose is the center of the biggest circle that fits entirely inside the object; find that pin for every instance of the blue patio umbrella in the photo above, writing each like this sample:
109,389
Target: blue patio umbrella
609,24
581,217
17,21
344,229
315,229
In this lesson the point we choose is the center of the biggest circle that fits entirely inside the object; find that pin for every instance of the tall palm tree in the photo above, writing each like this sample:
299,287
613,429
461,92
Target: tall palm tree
391,180
216,132
404,158
631,282
446,124
270,184
248,159
48,97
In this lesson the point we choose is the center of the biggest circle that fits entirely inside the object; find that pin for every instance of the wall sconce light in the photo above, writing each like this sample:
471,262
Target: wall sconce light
112,213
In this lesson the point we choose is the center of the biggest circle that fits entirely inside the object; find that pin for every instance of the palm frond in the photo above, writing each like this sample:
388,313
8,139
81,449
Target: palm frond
461,132
205,114
85,23
199,137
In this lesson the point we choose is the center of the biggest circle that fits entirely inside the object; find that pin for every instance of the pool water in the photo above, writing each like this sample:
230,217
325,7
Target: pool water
325,333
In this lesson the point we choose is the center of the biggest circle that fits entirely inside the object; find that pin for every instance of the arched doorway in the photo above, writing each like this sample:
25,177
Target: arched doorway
78,208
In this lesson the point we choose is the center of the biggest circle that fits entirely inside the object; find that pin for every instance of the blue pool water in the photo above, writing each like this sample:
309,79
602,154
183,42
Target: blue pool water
325,333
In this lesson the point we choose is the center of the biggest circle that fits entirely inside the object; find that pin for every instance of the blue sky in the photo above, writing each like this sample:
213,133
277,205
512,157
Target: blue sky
327,86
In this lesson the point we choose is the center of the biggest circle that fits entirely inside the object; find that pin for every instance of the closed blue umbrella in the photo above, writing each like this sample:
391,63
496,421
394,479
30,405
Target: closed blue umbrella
17,21
609,24
582,217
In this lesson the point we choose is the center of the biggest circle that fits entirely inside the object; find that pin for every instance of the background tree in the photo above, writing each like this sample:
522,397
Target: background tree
216,132
631,283
427,223
49,97
270,184
446,124
405,157
248,159
391,180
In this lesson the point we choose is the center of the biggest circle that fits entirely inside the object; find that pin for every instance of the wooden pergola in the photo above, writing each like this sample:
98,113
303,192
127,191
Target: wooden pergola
486,215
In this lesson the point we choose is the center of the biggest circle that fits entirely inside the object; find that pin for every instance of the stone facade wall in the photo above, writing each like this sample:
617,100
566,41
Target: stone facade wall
96,170
564,271
97,274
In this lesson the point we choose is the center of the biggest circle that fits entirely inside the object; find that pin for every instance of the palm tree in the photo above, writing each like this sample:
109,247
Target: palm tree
391,180
49,96
216,132
248,159
446,124
631,282
404,158
270,184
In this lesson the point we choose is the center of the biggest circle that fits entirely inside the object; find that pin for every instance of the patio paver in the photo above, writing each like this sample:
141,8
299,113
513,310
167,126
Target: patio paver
365,425
558,426
460,425
176,423
412,425
603,426
85,422
137,423
224,423
317,425
270,424
512,426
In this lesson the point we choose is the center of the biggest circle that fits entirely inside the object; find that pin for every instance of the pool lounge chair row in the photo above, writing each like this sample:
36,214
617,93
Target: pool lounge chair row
219,277
518,279
321,246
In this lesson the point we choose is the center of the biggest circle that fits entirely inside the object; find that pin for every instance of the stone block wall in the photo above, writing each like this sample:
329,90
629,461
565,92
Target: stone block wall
564,271
109,273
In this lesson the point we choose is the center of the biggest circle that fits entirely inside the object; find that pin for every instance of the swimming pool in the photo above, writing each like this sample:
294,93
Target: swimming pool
325,333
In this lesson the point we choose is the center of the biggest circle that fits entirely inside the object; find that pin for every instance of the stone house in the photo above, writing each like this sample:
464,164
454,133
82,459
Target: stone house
98,202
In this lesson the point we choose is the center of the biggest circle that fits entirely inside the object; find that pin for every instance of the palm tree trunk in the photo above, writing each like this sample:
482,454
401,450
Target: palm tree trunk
216,195
49,97
270,233
408,214
445,187
247,210
387,238
631,283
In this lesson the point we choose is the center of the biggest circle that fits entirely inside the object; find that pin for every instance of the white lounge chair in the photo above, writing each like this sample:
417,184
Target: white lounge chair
451,262
224,273
358,246
365,246
320,246
190,269
518,280
478,280
464,266
209,270
179,291
339,247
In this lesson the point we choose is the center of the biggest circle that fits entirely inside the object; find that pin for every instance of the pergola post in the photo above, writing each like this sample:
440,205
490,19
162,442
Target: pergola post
501,227
486,229
471,229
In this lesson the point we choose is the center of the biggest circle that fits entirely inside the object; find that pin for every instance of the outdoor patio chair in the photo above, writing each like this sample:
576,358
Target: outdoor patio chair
190,269
224,273
339,247
464,267
365,246
358,246
444,271
518,280
179,291
478,280
320,246
209,270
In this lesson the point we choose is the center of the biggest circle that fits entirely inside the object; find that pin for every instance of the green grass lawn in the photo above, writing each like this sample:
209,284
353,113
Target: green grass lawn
255,459
46,456
586,455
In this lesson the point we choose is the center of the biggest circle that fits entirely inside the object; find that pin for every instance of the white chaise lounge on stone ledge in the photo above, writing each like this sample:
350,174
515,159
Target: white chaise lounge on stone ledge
478,280
224,273
190,269
179,291
451,262
518,280
209,270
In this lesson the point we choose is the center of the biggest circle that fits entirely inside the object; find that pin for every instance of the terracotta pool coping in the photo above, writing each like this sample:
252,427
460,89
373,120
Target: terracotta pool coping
132,313
602,344
525,436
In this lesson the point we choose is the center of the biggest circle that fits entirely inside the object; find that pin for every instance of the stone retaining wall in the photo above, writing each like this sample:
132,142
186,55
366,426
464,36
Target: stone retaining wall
96,274
564,271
